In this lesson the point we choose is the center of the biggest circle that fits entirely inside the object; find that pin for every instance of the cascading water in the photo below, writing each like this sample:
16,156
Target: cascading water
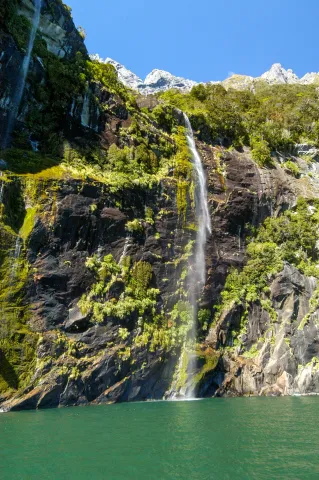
198,273
16,101
16,256
127,244
196,277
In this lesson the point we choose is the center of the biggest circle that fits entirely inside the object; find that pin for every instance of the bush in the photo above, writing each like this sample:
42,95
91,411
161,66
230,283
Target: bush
134,226
261,152
292,168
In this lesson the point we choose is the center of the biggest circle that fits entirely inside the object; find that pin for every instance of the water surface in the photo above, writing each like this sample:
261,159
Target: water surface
244,438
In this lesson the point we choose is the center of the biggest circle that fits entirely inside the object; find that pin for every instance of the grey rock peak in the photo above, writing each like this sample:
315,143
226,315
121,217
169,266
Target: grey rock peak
160,80
156,81
277,74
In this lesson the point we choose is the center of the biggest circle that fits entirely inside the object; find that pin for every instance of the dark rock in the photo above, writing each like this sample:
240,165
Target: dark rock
77,321
3,165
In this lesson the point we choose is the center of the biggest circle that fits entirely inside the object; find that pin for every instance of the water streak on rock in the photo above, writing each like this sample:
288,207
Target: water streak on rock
16,256
16,101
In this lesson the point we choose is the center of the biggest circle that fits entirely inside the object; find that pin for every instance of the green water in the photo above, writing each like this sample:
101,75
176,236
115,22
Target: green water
253,438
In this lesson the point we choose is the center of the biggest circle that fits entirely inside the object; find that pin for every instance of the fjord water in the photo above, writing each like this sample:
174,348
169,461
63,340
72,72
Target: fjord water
241,438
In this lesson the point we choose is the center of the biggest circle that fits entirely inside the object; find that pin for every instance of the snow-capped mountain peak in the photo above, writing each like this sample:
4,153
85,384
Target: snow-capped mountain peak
160,80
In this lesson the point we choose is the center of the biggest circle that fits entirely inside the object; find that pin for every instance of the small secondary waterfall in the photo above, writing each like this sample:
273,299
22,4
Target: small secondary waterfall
198,274
127,244
16,256
23,73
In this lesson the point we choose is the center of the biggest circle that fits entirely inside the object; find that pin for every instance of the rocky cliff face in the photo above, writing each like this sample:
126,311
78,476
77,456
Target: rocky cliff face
97,235
276,352
57,35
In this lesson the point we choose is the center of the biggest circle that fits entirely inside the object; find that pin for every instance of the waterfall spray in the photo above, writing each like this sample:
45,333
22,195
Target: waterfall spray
198,274
16,101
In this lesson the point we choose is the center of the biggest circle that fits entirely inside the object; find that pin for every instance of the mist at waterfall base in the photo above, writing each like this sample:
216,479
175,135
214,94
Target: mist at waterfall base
18,94
214,439
197,274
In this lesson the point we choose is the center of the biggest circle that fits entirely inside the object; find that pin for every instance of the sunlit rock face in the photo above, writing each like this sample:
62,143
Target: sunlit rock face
277,74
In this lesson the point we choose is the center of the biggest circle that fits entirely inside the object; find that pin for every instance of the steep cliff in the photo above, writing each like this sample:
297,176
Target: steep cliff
98,230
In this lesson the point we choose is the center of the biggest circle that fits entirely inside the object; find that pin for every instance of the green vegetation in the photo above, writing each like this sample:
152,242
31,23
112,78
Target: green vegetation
291,168
292,237
28,223
134,226
183,172
261,152
273,118
125,291
209,360
106,75
133,294
17,342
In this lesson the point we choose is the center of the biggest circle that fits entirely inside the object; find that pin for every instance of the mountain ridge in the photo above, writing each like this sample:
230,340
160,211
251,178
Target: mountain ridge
160,80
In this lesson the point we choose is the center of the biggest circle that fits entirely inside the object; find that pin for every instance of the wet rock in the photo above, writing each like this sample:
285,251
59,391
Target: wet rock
77,321
3,165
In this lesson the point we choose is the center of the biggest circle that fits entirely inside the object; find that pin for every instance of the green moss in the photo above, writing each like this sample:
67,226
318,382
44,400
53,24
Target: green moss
183,172
209,358
182,371
17,342
28,223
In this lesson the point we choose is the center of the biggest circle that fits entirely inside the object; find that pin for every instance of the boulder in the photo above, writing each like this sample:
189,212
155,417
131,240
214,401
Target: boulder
77,321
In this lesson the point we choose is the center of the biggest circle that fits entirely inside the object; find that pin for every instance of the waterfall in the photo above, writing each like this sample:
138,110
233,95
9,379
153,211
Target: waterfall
196,276
125,249
16,101
198,273
16,256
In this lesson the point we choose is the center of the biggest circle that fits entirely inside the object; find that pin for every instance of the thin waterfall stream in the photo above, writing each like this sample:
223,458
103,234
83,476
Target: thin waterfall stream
128,241
197,274
16,101
204,228
16,256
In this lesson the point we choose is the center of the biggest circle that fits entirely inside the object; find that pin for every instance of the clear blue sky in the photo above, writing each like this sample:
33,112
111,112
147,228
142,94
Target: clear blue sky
202,39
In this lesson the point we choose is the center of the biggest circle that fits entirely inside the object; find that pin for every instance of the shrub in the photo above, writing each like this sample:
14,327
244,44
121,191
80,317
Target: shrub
292,168
260,151
134,226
